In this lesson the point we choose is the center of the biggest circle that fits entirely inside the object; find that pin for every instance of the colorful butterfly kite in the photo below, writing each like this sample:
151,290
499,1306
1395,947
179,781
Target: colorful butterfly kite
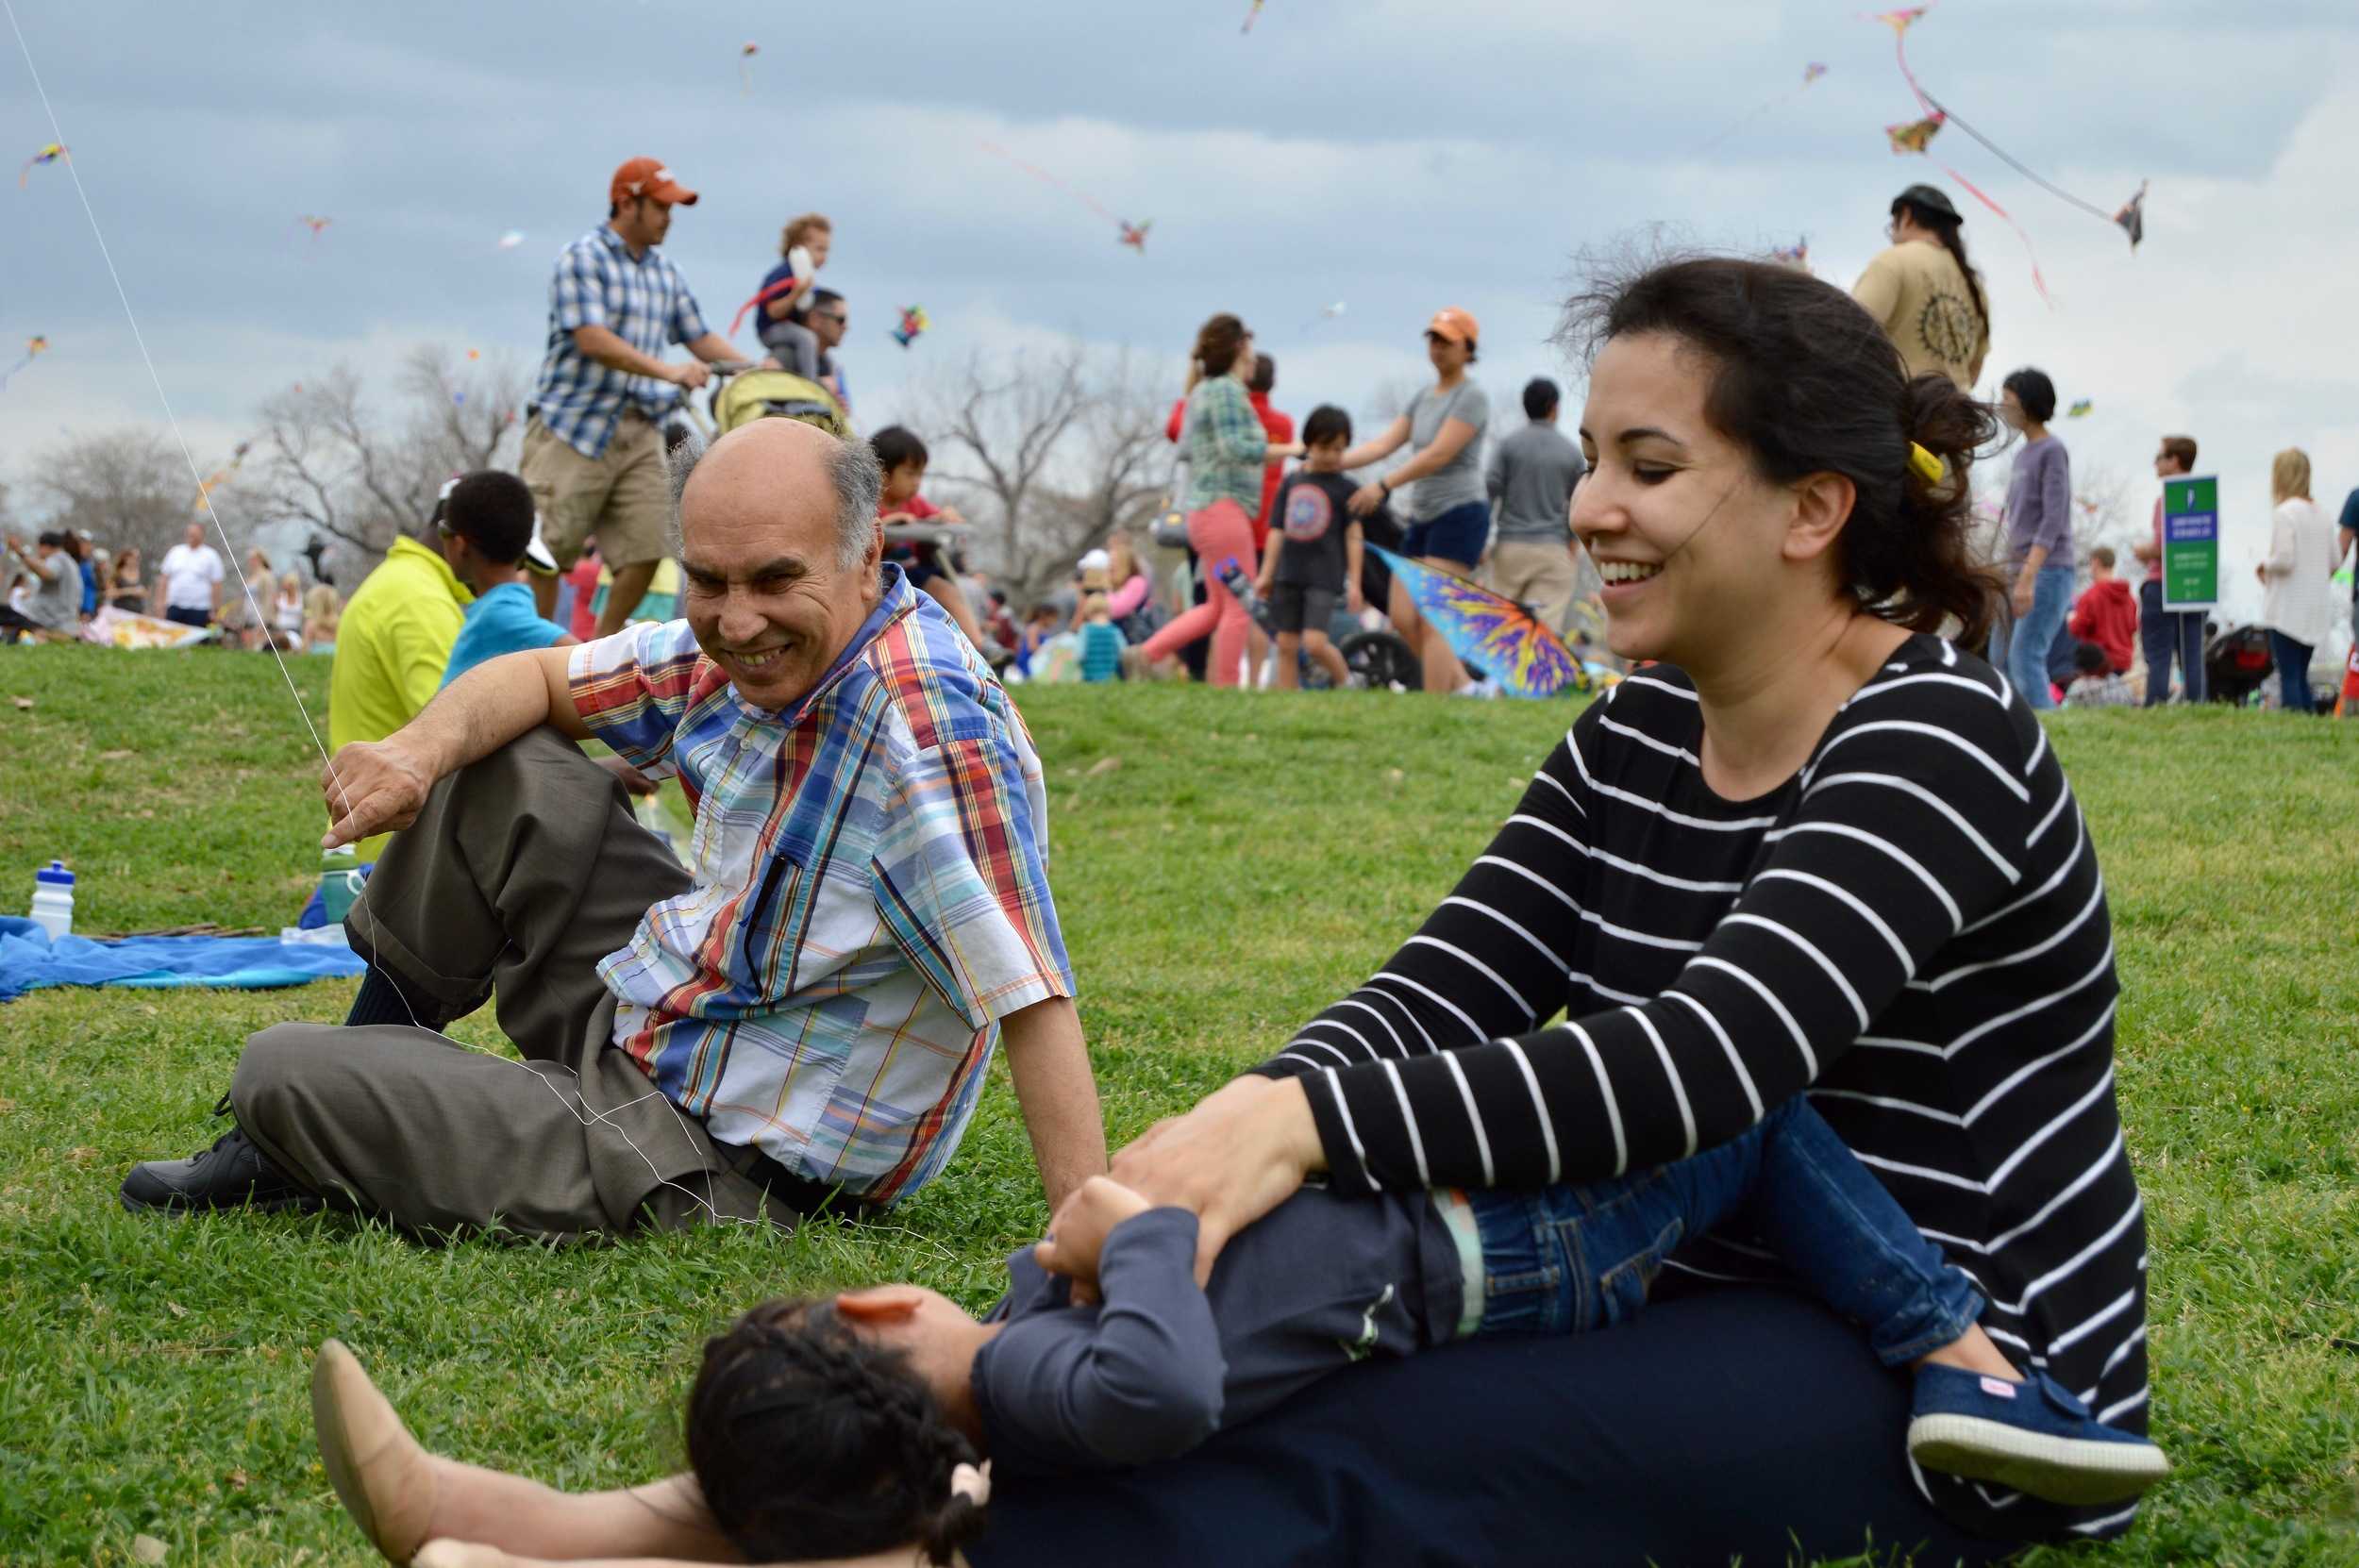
1912,136
1810,73
34,348
744,71
1795,255
314,224
53,152
914,321
2079,408
1134,235
1496,636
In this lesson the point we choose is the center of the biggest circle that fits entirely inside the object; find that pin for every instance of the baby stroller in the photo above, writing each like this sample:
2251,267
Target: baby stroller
2235,662
754,395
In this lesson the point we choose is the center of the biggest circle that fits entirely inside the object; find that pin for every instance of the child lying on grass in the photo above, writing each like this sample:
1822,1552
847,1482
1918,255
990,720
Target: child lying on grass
837,1427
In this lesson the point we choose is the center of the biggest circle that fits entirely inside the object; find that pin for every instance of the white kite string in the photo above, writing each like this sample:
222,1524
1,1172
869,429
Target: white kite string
580,1108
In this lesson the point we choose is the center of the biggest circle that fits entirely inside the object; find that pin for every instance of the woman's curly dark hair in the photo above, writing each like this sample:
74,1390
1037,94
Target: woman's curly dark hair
1806,381
811,1441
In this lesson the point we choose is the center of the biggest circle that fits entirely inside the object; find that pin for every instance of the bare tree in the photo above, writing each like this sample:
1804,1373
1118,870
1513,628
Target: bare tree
2103,513
360,475
1056,451
130,487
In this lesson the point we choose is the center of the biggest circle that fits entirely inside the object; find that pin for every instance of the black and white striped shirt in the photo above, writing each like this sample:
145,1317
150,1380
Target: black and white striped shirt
1912,928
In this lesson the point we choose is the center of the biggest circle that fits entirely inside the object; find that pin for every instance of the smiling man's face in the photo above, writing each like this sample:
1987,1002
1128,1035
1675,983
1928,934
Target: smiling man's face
763,589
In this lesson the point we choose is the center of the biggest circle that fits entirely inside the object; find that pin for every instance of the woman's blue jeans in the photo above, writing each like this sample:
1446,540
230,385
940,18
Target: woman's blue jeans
2292,672
2020,647
1581,1255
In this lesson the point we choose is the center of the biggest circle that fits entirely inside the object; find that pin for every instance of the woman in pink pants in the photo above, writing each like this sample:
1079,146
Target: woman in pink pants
1224,447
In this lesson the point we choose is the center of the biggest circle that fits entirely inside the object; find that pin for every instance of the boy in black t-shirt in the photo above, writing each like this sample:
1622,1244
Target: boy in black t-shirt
1314,549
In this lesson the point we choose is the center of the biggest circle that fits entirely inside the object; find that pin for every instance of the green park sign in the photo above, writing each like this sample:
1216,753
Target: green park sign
2190,542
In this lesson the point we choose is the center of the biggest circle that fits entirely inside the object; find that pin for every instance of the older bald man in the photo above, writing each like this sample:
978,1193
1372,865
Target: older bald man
804,1016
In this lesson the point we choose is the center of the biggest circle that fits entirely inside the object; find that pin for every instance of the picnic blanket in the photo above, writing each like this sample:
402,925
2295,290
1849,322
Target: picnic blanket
123,629
29,960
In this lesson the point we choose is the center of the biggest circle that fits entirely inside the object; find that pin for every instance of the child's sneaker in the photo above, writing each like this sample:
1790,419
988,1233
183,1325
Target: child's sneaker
2033,1436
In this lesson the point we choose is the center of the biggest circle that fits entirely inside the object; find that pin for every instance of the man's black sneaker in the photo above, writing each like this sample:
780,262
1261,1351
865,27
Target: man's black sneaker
233,1174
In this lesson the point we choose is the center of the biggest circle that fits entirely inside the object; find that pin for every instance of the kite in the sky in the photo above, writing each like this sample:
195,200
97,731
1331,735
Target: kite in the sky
2133,217
1810,73
511,239
219,478
2079,408
34,348
2130,216
314,224
1912,136
53,152
1132,234
1250,15
1326,312
1795,255
744,71
474,354
1495,635
914,321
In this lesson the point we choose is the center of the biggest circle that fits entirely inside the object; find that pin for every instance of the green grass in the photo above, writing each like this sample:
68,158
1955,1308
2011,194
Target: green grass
1248,859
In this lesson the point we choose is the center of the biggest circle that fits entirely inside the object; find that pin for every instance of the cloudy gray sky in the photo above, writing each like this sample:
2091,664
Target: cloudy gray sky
1396,157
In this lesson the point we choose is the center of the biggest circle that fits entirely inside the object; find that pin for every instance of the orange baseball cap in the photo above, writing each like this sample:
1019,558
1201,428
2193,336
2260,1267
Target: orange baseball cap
648,176
1455,325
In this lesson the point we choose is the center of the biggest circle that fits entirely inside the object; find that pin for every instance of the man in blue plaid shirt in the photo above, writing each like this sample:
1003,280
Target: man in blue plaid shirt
593,448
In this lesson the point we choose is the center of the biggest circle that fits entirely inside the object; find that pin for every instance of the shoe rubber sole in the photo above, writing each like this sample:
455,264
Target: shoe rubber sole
2059,1469
259,1206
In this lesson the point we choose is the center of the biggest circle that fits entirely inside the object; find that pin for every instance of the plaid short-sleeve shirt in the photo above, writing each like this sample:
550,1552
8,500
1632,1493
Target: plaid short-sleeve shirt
641,299
871,893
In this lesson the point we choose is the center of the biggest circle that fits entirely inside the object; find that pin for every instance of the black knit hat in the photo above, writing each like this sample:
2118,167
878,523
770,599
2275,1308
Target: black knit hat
1928,198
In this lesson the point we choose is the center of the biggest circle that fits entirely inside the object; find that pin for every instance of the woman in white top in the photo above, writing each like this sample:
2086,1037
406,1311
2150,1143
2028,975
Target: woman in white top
287,612
2294,577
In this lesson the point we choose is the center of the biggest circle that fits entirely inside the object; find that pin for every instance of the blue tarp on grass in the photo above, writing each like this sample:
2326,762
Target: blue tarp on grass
28,960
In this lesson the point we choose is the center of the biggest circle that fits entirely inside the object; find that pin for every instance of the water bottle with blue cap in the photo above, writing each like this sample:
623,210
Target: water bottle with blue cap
53,899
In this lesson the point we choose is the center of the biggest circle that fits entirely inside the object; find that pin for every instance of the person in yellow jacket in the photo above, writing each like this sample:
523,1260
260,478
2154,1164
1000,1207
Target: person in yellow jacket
1925,293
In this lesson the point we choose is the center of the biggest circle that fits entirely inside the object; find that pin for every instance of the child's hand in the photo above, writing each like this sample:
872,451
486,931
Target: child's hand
1077,1234
949,514
1354,600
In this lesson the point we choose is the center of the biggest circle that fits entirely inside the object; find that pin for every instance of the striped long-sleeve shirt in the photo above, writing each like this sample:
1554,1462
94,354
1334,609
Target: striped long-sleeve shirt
1913,929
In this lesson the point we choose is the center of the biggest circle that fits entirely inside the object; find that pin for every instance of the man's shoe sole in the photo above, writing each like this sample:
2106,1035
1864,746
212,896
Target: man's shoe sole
258,1206
2059,1469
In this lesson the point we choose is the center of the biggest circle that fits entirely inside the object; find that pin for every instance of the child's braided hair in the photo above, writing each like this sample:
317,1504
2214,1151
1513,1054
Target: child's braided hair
809,1442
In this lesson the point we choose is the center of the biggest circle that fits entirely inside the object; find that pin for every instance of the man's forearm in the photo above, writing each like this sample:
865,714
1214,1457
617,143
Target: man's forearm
1058,1094
479,713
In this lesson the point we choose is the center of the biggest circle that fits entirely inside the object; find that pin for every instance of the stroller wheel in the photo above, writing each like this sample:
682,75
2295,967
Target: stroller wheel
1382,660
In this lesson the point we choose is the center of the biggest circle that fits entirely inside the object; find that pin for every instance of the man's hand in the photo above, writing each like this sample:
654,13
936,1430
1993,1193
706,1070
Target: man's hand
372,787
1076,1233
688,375
632,780
1242,1152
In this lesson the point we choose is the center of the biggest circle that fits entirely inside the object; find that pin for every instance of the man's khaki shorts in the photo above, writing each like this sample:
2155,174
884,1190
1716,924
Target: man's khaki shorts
623,498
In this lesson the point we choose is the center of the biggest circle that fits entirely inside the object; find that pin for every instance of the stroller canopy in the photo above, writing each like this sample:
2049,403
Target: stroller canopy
778,394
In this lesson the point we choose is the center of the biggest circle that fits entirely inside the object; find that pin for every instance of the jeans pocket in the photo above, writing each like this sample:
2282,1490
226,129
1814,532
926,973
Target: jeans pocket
1622,1286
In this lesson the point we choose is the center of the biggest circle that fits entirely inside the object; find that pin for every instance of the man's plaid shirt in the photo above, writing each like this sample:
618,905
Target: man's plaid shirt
641,300
871,893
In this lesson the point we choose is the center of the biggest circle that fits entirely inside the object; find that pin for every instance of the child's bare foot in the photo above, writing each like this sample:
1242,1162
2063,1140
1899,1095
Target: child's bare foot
464,1554
384,1478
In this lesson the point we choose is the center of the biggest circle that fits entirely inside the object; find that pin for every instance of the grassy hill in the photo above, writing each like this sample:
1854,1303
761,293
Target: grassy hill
1225,864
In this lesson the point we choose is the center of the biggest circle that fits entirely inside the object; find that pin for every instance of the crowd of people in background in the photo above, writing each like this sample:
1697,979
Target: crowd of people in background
1257,573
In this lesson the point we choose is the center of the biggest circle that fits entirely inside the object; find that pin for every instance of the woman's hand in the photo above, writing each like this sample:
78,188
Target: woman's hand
2021,597
1242,1152
1366,498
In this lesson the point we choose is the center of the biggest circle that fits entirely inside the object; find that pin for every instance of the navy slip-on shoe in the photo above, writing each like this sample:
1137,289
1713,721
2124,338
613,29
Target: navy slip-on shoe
2033,1436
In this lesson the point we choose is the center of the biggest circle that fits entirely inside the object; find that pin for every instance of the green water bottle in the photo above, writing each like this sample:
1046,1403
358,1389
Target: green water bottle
339,882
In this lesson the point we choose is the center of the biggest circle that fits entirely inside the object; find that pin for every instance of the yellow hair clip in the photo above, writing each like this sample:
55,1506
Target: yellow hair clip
1925,465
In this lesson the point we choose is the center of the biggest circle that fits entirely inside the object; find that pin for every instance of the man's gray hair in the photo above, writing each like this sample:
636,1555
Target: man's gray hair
851,467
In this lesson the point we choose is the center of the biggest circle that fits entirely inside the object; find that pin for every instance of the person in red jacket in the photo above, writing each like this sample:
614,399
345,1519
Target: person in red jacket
2105,613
